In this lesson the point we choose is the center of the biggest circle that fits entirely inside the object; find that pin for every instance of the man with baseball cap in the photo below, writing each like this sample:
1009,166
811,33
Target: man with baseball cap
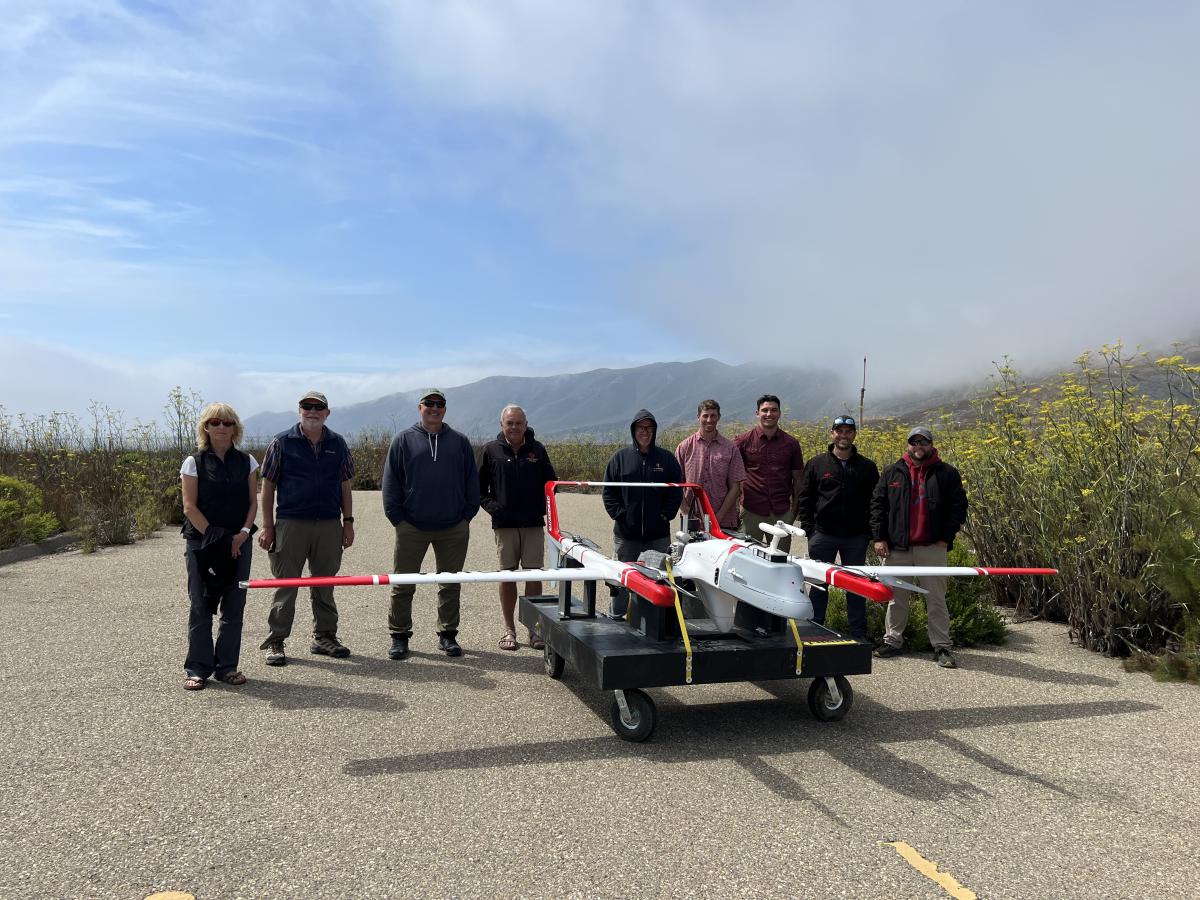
430,495
834,509
917,509
308,469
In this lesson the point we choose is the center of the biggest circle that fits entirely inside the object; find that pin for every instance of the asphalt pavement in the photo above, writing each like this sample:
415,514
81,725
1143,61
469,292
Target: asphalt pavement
1035,770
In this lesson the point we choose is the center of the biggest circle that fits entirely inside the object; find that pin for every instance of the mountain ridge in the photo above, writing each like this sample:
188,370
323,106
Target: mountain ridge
596,404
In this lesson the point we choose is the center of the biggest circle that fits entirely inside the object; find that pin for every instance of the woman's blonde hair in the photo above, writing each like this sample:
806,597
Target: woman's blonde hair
217,411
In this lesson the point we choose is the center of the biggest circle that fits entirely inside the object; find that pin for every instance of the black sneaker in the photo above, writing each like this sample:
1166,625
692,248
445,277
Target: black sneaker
944,658
329,645
399,647
887,651
449,645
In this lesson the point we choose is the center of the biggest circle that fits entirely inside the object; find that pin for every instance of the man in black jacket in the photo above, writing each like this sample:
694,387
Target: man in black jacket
641,516
513,473
834,510
918,507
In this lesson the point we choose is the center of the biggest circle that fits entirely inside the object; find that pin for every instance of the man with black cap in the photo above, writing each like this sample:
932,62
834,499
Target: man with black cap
308,468
917,509
834,509
641,515
430,495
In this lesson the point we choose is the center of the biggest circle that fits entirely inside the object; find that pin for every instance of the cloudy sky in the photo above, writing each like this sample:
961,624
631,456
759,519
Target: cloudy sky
247,199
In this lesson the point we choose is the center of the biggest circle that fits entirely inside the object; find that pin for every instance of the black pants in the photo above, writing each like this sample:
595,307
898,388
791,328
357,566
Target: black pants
853,550
206,657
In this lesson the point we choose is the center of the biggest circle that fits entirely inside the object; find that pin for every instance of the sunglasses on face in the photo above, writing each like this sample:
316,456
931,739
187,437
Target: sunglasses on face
434,404
213,423
918,442
310,407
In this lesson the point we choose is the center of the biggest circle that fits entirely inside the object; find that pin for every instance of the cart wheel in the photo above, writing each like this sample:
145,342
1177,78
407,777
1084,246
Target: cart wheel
642,717
553,662
821,703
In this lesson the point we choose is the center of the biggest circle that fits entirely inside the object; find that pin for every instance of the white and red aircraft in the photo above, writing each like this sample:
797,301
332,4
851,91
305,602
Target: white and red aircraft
721,569
716,572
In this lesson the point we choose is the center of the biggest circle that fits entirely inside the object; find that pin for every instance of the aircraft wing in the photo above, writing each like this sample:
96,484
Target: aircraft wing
508,575
884,572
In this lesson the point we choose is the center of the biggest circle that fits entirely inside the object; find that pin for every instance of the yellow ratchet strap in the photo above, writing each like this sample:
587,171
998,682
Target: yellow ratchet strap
687,642
799,646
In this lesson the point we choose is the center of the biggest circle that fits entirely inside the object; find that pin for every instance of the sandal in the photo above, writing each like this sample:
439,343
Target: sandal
535,642
234,678
509,641
194,683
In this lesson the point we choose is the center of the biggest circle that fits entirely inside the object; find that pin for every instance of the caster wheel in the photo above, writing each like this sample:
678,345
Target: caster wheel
822,704
553,662
640,722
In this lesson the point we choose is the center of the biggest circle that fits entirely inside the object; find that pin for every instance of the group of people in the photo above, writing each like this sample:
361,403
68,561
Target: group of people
433,487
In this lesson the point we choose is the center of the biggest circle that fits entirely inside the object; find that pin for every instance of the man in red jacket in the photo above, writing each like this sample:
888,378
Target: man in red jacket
918,507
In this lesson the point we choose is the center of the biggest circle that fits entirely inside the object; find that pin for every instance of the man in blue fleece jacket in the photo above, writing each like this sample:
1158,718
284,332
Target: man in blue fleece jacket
430,495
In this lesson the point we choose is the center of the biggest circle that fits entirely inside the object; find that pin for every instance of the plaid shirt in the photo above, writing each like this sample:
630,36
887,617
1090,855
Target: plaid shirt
715,465
274,455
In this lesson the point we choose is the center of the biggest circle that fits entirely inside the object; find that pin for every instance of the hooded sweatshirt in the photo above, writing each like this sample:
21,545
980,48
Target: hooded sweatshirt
430,479
643,514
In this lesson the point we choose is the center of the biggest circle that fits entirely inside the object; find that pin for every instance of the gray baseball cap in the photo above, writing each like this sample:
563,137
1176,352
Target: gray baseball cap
921,431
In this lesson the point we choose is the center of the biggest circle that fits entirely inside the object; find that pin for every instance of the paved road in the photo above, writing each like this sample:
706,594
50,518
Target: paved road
1036,770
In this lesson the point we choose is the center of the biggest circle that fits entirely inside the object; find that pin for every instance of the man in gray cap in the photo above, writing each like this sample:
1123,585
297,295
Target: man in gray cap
918,507
430,495
308,468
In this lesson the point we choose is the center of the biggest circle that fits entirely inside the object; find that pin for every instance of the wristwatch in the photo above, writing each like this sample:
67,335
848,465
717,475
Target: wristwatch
245,530
346,519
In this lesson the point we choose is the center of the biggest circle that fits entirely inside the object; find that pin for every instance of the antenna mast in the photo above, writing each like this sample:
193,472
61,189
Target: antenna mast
862,392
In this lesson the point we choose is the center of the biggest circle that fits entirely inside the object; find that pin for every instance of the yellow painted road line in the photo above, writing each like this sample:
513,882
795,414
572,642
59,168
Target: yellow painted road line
171,895
929,869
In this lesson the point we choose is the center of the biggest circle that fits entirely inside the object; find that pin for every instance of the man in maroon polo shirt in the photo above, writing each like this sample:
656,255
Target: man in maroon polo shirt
774,464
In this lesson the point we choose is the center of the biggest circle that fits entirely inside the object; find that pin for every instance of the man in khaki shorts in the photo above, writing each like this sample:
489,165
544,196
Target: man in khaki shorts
512,489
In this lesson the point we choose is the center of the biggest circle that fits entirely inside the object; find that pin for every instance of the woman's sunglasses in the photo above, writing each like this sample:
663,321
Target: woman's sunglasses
213,423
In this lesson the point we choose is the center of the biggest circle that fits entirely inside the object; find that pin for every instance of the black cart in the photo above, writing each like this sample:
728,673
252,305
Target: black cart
647,650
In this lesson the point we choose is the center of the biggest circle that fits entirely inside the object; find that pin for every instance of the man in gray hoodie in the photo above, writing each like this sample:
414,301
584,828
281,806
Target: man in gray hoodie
430,495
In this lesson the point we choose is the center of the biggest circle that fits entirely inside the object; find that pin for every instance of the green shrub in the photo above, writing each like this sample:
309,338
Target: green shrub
22,519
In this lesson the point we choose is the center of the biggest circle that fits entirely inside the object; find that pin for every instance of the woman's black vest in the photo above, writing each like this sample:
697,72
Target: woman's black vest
223,495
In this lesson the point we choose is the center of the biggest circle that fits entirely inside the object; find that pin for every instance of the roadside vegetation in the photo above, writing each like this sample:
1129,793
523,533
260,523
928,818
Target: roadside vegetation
1094,473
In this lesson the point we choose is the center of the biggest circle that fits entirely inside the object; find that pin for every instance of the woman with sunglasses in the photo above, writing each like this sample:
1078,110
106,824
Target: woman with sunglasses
220,501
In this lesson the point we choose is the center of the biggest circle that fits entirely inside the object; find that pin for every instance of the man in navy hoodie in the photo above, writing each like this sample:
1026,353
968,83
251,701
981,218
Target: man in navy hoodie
430,495
641,516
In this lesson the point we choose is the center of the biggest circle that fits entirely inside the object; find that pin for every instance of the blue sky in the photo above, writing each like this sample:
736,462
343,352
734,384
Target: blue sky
251,199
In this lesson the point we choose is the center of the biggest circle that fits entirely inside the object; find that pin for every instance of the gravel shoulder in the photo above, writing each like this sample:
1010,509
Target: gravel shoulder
1035,770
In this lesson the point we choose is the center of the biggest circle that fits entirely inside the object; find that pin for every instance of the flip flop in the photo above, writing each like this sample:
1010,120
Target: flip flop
194,683
509,641
234,678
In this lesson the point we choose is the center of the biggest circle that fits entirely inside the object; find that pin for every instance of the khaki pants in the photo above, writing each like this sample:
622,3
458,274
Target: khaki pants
449,554
935,600
297,541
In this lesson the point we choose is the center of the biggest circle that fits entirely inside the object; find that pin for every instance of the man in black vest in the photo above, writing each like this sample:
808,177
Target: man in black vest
308,469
